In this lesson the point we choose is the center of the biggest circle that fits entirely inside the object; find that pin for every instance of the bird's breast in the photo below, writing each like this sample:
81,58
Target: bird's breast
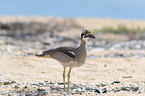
81,56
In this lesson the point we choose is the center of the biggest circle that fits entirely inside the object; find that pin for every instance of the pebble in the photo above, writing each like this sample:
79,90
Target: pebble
115,82
40,88
104,90
57,88
97,90
43,71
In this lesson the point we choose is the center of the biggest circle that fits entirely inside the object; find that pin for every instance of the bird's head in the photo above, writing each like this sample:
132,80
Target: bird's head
87,35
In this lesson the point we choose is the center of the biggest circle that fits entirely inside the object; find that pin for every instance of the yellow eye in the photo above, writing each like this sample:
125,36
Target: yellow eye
84,32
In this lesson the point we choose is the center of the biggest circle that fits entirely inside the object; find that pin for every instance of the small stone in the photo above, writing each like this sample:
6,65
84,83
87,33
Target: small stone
52,83
64,93
102,85
41,89
83,84
115,82
26,87
73,86
104,90
58,88
127,76
8,50
92,84
117,90
40,83
124,89
60,83
46,81
134,88
30,53
34,84
17,87
43,71
6,83
89,88
98,91
80,89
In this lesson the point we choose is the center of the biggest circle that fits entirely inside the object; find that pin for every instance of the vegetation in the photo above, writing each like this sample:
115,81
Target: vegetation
121,29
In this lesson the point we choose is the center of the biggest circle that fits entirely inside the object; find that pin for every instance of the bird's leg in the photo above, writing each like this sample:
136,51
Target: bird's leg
69,78
64,78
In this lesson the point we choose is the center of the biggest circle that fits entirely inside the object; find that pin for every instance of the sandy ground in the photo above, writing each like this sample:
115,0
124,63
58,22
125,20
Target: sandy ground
93,70
96,70
101,70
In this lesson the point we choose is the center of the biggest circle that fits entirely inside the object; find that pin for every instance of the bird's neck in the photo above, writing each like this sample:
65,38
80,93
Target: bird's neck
83,44
81,53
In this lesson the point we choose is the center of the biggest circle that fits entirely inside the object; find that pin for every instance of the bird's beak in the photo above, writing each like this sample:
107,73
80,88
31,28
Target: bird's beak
91,36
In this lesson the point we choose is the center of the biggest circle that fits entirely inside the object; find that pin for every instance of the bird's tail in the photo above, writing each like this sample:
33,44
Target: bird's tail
43,56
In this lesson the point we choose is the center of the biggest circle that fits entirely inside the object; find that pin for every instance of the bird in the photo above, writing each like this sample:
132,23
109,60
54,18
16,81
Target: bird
69,56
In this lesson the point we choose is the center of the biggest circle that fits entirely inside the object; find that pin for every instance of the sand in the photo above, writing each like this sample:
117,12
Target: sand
95,70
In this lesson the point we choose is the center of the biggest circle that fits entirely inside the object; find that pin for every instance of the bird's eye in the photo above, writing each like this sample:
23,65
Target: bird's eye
84,32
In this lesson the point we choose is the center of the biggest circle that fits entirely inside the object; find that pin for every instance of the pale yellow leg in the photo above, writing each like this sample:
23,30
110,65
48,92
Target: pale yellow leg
69,78
64,78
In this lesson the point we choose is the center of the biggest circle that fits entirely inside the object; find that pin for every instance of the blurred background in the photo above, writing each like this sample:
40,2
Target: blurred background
124,9
115,60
